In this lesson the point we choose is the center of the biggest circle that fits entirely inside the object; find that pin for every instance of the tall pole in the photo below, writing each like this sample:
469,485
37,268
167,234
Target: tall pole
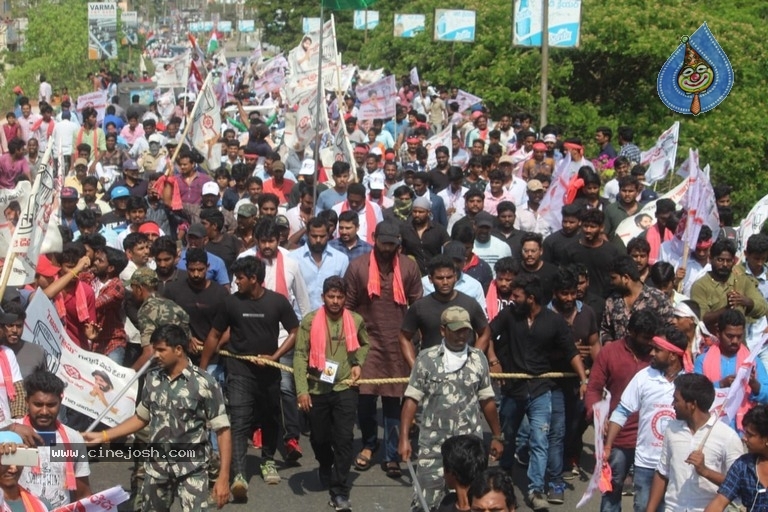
366,25
544,60
320,104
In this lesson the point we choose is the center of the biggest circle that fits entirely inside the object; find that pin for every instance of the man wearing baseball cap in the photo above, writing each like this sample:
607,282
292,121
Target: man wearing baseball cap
69,199
131,180
451,381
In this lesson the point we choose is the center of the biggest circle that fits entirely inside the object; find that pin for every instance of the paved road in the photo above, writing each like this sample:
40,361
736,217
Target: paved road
372,491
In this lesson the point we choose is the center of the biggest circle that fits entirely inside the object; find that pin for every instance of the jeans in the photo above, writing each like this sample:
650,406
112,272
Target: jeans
333,421
643,482
288,402
366,416
556,437
253,398
117,355
539,410
620,460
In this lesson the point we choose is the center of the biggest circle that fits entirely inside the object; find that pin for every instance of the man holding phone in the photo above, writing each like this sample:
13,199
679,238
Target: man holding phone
57,480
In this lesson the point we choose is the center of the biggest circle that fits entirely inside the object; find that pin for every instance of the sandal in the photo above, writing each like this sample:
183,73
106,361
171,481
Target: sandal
363,463
392,469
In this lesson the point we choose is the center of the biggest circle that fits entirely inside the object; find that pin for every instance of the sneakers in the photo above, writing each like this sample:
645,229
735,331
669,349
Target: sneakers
292,450
556,494
570,474
340,504
269,473
239,489
628,489
537,501
257,439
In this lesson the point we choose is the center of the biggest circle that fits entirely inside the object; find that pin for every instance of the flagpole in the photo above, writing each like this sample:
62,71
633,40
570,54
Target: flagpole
190,118
318,134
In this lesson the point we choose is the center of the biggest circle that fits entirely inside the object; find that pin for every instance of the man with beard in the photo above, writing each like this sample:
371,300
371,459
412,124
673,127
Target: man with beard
532,263
525,336
613,368
625,206
629,295
528,218
594,252
453,194
90,196
211,200
166,256
465,283
473,204
698,259
317,261
650,394
218,241
500,291
59,482
438,175
299,214
254,316
380,287
555,245
422,239
369,214
421,188
424,315
721,288
131,180
29,356
89,133
567,424
247,215
197,236
348,242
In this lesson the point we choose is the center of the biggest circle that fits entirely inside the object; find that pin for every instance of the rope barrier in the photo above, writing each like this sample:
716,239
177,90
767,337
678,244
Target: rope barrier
391,380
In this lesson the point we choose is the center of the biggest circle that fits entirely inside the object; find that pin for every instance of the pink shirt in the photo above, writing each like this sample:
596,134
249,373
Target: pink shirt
11,169
490,203
131,136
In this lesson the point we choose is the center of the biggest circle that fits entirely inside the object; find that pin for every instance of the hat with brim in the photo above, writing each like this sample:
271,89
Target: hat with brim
387,232
455,318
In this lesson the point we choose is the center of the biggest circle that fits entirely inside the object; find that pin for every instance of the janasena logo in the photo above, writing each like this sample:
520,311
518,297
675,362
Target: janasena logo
660,421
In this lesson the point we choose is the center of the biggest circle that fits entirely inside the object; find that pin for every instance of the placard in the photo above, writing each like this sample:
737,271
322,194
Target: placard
454,25
102,30
310,25
246,26
563,23
361,22
408,25
130,22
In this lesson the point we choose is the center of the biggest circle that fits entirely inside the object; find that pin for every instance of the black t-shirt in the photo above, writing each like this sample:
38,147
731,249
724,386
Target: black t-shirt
424,317
556,247
547,274
226,249
597,260
254,326
438,180
584,325
113,220
202,306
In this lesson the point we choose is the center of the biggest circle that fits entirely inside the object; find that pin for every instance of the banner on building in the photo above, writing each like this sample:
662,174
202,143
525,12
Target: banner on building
563,23
102,30
454,25
92,380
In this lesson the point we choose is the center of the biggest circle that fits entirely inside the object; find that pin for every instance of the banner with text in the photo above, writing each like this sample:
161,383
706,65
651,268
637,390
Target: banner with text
377,100
563,23
660,159
408,25
11,201
92,380
102,30
130,22
365,20
454,25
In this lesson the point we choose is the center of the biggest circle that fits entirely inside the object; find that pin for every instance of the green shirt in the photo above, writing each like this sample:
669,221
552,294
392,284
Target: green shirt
711,295
335,350
614,214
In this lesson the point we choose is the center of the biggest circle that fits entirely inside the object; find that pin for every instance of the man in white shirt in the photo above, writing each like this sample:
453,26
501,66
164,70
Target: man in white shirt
489,248
697,450
650,394
45,92
369,213
528,218
697,266
63,136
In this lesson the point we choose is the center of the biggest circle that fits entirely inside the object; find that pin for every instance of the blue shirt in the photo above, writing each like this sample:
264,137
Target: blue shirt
401,127
360,248
741,482
334,263
217,270
119,123
329,198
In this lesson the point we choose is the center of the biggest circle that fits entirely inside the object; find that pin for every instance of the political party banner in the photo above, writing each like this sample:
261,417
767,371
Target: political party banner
377,100
301,120
172,72
563,23
444,138
104,501
102,30
600,412
10,211
206,127
699,203
273,80
345,78
97,100
634,225
408,25
92,380
310,25
130,22
39,213
414,76
753,222
365,20
304,60
246,26
454,25
342,149
368,76
660,159
466,100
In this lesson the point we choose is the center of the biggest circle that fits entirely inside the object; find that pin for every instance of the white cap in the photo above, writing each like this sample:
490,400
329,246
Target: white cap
211,188
376,182
376,151
307,167
156,137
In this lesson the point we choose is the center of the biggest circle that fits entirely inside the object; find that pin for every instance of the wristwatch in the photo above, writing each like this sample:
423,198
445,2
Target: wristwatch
499,438
584,382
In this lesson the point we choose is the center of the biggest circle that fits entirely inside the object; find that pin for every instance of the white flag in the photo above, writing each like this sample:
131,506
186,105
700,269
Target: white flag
699,203
466,100
600,415
753,222
415,76
206,126
103,501
660,159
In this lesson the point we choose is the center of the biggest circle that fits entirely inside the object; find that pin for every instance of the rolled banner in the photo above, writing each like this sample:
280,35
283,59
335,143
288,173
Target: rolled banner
104,501
601,410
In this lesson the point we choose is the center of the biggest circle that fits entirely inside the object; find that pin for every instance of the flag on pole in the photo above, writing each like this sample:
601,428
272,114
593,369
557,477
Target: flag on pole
660,159
600,417
342,150
699,203
206,126
415,76
213,43
466,100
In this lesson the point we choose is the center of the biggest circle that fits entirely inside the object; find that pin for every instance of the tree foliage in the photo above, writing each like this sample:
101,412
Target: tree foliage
610,79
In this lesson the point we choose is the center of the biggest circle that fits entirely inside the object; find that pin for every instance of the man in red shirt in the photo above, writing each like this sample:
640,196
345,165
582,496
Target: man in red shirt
277,184
615,365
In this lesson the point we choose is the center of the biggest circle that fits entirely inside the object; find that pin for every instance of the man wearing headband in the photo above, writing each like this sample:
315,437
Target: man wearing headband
721,288
575,148
687,321
650,394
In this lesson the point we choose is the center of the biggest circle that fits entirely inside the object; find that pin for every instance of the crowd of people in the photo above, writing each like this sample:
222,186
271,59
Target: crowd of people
378,267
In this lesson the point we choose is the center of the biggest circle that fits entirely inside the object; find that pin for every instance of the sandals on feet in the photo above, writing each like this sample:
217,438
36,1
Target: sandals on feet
392,469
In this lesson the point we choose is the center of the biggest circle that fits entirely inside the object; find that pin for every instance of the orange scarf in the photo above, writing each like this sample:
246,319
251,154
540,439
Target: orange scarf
5,369
31,502
176,203
319,334
95,145
374,280
370,219
713,372
492,301
69,466
48,131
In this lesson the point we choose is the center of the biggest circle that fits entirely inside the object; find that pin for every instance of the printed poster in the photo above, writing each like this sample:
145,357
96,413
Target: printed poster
130,22
365,20
377,100
563,23
408,25
454,25
102,30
